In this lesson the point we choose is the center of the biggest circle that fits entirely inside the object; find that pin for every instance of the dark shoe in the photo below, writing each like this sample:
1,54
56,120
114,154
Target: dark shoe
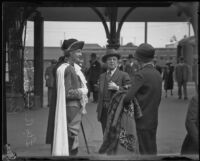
74,152
185,98
179,98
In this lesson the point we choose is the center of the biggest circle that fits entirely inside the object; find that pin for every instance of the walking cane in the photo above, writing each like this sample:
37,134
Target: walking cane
85,138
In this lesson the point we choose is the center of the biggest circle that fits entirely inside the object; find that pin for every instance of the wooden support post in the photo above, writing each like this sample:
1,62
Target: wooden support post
145,32
38,60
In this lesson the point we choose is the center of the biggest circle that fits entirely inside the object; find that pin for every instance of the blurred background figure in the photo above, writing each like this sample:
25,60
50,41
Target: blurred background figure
182,76
168,78
159,68
120,64
131,67
50,80
191,141
93,74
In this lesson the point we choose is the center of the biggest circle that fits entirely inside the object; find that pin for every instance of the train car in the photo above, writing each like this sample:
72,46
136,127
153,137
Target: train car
187,49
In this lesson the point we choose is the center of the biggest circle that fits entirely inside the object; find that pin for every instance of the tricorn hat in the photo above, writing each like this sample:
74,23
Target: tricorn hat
72,44
144,52
110,53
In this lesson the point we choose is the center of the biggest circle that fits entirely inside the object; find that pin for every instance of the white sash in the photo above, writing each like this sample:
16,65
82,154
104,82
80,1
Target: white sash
60,140
83,89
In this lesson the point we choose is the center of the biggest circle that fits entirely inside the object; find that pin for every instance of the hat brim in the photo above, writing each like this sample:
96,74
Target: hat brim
76,45
145,60
105,57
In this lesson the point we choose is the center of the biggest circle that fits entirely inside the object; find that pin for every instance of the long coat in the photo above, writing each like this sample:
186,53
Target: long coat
182,73
49,76
147,88
120,78
94,72
168,78
191,141
71,82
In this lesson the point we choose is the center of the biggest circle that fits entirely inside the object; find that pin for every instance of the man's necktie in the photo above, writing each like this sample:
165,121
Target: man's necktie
109,75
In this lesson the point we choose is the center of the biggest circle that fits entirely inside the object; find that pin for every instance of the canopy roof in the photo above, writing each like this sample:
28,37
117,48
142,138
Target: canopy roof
167,13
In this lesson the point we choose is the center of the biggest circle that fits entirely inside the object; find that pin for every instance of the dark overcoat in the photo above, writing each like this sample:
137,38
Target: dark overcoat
49,76
147,88
168,78
94,72
182,73
120,78
71,82
191,141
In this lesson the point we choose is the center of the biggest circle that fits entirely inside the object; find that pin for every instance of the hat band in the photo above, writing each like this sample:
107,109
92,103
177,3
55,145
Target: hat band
69,48
141,55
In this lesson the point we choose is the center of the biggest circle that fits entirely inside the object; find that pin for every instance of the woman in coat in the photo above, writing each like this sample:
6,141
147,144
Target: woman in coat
168,78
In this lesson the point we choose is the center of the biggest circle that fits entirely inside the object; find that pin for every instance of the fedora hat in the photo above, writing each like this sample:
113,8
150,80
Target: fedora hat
72,44
110,53
145,52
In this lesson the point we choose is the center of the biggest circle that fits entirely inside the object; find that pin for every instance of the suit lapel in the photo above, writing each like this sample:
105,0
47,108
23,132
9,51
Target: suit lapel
115,75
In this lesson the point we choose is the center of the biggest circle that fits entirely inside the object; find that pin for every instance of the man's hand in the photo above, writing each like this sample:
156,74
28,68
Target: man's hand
113,86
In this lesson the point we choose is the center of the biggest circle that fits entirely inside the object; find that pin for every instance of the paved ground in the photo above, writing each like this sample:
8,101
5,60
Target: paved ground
26,130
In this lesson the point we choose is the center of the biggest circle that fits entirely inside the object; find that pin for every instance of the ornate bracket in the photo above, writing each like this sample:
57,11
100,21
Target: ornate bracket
113,35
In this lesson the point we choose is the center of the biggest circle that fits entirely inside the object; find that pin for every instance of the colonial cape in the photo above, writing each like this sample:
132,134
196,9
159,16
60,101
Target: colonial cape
75,91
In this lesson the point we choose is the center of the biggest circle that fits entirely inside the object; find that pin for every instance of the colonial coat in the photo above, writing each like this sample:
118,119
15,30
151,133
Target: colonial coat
71,82
120,78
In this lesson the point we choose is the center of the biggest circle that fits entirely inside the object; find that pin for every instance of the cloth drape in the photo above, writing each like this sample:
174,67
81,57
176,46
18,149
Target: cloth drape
60,140
120,134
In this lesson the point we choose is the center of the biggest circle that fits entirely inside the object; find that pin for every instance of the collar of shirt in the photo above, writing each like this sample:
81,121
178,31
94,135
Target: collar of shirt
112,71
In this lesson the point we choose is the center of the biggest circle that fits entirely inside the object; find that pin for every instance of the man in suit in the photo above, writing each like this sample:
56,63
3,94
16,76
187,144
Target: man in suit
132,67
93,76
68,101
159,68
110,82
49,80
181,76
146,87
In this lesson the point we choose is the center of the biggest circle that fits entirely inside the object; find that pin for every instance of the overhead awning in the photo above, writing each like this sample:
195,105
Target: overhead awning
139,14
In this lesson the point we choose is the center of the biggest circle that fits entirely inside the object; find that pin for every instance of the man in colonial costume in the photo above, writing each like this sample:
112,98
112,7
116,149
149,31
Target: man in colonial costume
147,89
68,101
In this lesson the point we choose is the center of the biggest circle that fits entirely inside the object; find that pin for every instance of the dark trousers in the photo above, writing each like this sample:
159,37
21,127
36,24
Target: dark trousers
184,85
93,90
50,91
103,119
147,141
